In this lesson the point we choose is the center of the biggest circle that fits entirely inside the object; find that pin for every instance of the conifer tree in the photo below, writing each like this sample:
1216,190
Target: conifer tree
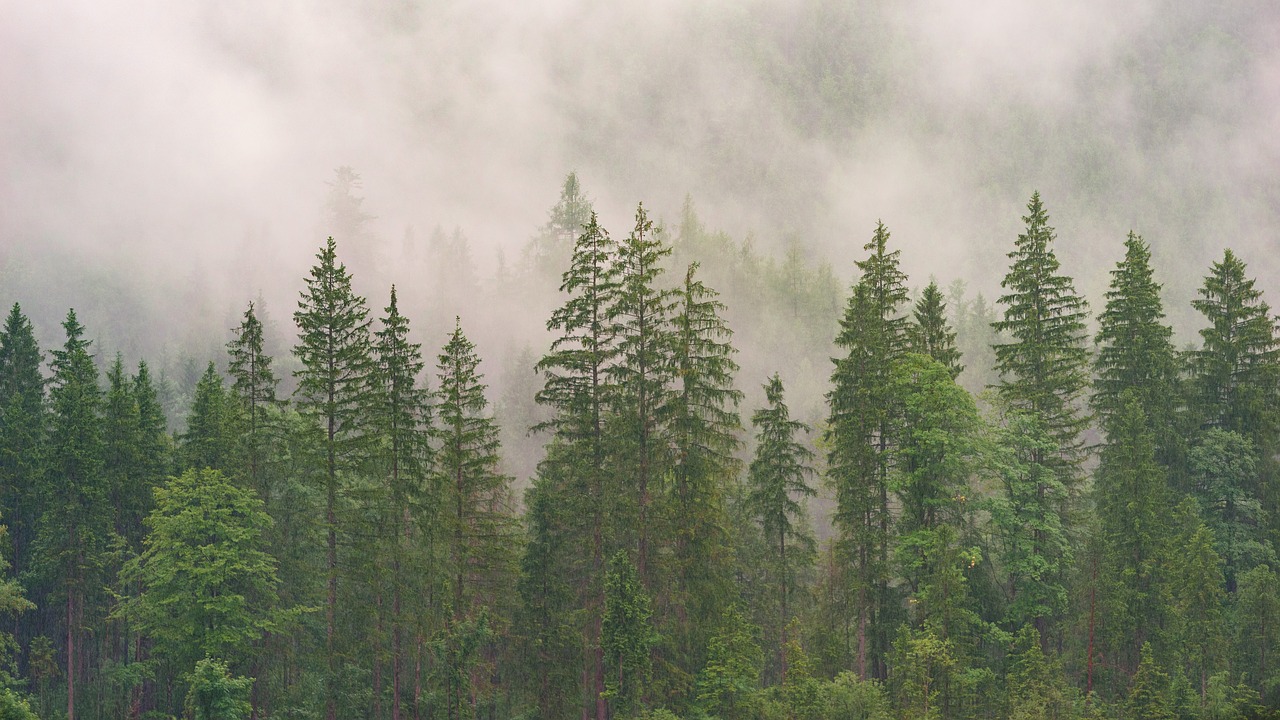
1135,354
1223,472
74,521
1199,602
333,346
627,635
122,430
400,419
1257,624
732,672
777,485
209,441
551,249
702,422
1149,696
578,390
1044,372
1237,370
23,422
155,445
253,388
1132,504
640,315
873,336
931,335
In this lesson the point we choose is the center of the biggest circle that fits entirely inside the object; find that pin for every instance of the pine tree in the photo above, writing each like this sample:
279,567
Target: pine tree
873,335
578,391
23,422
400,418
74,521
333,346
1237,369
1135,354
778,484
122,429
702,422
640,315
1044,372
1149,696
930,335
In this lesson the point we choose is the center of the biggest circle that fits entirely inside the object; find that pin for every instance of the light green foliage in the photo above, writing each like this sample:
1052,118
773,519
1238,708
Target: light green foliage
921,665
210,439
215,694
734,662
1034,686
14,707
208,583
627,635
1149,694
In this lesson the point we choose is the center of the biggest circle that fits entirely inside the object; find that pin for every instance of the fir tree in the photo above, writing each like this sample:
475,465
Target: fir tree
627,635
253,387
209,441
1257,623
1223,472
778,484
1149,696
333,346
931,335
1199,604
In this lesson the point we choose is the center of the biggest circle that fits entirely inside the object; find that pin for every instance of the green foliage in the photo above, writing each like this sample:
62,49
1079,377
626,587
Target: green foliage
253,395
215,694
210,439
1199,598
931,334
1034,685
627,634
1149,694
1223,470
23,427
1257,626
14,707
734,662
209,586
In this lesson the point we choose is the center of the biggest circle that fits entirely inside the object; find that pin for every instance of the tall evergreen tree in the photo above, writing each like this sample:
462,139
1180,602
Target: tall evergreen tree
1223,473
1044,372
253,388
627,635
578,391
1257,625
873,335
401,420
1199,600
702,422
210,439
23,422
778,484
333,346
931,335
551,249
1135,354
640,314
75,521
122,430
1237,370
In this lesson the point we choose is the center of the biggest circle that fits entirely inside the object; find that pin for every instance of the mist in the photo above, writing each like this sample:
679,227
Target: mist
185,148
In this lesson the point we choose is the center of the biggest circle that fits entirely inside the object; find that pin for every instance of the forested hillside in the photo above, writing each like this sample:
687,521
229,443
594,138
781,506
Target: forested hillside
1030,507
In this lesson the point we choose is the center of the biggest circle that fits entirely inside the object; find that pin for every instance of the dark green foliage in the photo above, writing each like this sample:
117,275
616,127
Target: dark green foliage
1034,685
23,422
778,484
1257,626
873,336
12,602
1136,355
1237,370
931,335
1222,469
210,439
254,403
1198,602
627,635
1044,367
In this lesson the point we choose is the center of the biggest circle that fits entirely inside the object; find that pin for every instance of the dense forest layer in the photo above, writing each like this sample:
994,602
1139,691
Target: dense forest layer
1022,515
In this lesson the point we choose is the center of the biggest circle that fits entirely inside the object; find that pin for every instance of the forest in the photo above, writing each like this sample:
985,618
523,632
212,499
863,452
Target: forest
1033,507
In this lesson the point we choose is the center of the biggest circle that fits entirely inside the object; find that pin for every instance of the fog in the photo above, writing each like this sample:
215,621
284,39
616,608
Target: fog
179,151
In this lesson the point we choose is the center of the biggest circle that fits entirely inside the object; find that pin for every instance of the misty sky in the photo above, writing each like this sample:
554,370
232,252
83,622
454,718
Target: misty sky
162,137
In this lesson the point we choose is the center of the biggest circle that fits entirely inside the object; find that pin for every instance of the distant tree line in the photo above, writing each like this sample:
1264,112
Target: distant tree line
1085,528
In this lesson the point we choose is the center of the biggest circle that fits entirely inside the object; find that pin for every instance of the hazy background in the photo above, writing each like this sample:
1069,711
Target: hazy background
163,163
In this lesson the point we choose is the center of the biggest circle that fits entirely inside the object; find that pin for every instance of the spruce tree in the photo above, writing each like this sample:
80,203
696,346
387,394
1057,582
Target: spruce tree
931,335
333,384
75,520
209,441
1223,478
253,390
1199,599
122,429
1149,696
627,635
1043,373
1257,625
1237,369
400,419
640,315
1132,503
873,336
702,422
778,484
577,389
23,438
1135,354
